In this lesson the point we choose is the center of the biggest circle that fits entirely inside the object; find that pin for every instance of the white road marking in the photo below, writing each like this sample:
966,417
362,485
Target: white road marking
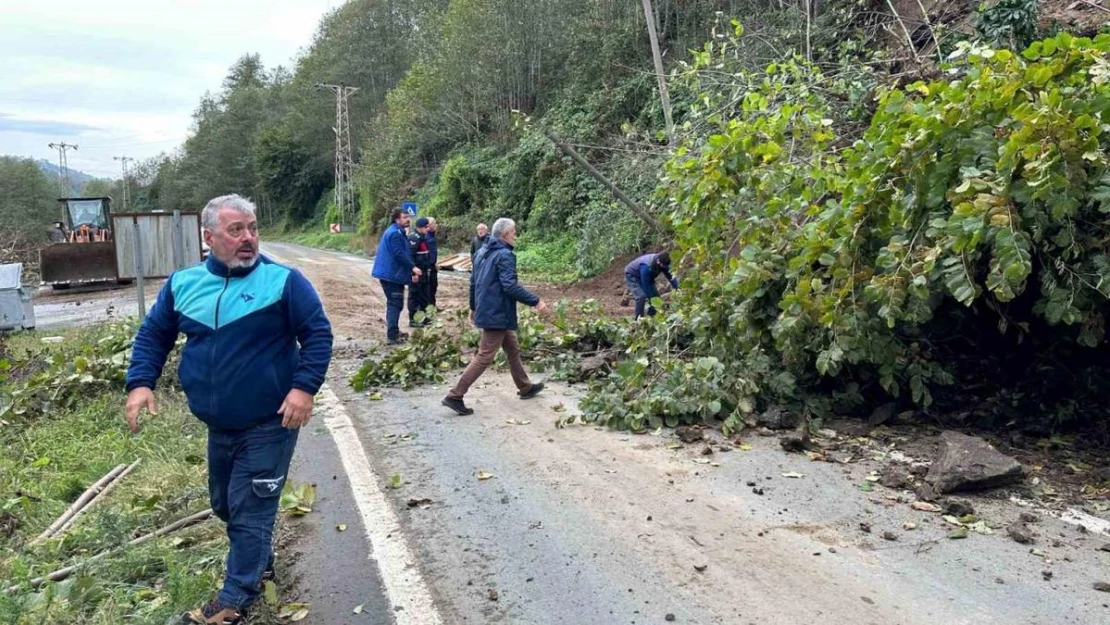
311,260
404,586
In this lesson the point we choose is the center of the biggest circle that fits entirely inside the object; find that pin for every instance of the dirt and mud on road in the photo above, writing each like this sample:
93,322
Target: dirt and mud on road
506,518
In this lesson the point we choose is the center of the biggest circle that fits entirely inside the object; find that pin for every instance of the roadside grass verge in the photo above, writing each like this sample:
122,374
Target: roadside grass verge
318,238
52,455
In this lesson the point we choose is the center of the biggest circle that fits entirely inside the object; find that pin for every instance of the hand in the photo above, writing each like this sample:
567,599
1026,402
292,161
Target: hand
416,271
136,400
541,306
296,409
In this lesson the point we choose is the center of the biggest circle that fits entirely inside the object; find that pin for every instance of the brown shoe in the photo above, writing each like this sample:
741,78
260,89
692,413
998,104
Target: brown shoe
214,614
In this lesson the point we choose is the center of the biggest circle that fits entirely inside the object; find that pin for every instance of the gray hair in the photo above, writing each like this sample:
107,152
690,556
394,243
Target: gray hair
208,218
501,226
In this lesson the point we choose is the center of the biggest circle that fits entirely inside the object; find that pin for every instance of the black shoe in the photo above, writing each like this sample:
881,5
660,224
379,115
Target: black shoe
401,338
532,391
457,405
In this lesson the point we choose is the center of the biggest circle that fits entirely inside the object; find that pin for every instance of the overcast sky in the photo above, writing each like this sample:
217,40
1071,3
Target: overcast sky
122,77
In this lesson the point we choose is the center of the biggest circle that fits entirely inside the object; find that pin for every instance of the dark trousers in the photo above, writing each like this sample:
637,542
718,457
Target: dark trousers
433,286
246,472
632,281
394,302
419,297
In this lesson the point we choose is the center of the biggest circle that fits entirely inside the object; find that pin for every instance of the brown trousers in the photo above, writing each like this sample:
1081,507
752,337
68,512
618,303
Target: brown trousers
491,341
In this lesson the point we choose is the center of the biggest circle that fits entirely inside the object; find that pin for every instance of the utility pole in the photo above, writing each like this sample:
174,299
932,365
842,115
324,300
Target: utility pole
126,183
658,56
63,164
344,161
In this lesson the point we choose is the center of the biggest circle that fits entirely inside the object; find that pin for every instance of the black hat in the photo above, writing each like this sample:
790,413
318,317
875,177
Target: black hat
422,222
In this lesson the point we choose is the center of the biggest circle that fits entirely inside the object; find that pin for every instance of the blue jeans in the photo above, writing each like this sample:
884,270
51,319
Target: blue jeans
632,281
246,472
394,302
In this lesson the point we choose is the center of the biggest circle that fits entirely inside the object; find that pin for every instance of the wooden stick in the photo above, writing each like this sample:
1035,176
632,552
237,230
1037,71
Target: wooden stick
909,38
61,574
81,502
97,498
1097,6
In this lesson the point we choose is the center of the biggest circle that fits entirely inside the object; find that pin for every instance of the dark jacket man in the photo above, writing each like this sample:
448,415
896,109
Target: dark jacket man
477,243
640,275
394,268
494,294
422,243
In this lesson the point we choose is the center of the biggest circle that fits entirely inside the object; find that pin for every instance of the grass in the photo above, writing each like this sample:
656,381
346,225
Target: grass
318,238
49,461
553,261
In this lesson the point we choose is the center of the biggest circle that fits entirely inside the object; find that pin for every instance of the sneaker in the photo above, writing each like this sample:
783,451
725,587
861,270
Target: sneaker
457,405
531,391
214,614
400,340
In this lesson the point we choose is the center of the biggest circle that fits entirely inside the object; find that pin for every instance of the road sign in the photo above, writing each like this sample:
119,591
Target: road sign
334,228
409,207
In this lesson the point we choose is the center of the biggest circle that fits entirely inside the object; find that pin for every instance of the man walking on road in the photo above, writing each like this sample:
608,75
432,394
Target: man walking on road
257,352
422,243
478,241
394,268
494,293
640,275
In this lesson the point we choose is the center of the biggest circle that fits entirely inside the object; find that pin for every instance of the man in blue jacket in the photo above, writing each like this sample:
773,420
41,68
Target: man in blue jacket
394,268
640,275
494,293
258,347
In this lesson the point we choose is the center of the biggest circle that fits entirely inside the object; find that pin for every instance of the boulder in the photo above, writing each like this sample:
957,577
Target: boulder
967,463
598,364
776,418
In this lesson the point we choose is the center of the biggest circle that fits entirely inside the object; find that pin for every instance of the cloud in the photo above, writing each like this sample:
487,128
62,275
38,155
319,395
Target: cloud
122,77
42,126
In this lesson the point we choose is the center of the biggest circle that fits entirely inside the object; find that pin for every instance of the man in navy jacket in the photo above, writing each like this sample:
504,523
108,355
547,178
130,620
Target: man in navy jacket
394,268
640,275
494,293
258,347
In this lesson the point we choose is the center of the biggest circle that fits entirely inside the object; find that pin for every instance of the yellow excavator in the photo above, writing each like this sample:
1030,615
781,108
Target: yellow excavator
84,250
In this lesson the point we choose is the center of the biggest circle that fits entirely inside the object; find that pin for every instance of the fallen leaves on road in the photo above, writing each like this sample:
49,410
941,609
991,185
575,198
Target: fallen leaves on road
959,532
423,503
358,608
794,475
395,481
294,611
376,396
297,500
517,422
342,527
483,475
925,506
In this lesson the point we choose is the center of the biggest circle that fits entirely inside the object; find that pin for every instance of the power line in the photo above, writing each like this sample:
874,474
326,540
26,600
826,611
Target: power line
344,162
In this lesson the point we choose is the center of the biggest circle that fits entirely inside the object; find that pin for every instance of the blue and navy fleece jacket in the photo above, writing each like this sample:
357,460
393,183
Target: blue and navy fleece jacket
252,335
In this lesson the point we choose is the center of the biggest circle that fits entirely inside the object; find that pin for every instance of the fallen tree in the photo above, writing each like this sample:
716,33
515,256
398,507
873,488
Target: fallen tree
947,249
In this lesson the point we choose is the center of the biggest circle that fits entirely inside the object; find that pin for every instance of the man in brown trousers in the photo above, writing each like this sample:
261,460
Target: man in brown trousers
494,293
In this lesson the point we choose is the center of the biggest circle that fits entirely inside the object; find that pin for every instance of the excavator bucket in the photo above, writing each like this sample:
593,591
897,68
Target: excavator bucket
77,263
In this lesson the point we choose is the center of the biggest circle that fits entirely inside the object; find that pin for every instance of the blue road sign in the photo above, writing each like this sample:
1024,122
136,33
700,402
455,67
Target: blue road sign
409,207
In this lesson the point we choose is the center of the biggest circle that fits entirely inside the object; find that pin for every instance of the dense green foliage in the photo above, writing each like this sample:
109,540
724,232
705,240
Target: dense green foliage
961,237
28,199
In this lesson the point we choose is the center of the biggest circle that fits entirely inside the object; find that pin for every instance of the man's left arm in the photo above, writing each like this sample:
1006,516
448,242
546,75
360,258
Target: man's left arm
314,335
433,248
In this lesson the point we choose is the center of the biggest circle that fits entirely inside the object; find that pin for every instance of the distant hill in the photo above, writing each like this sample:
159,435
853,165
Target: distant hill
77,179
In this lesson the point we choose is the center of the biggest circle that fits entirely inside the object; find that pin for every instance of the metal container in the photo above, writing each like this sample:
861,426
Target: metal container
17,311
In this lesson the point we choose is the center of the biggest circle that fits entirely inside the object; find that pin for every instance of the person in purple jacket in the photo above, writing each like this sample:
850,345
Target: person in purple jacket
640,275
